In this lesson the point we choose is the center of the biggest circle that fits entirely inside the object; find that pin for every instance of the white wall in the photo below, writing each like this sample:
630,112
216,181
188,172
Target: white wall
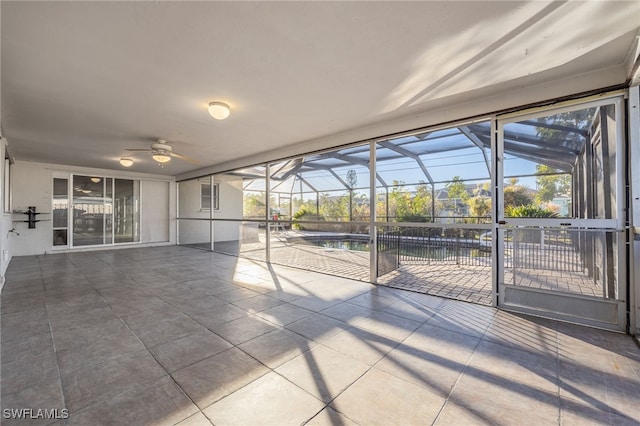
155,207
32,186
192,231
230,207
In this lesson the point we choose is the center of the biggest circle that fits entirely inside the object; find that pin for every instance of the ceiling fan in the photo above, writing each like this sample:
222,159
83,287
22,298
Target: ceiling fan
162,152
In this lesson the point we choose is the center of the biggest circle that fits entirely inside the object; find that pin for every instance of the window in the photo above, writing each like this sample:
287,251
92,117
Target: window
206,194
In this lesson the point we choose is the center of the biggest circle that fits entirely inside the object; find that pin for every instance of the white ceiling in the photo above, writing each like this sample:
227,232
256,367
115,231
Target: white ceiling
83,81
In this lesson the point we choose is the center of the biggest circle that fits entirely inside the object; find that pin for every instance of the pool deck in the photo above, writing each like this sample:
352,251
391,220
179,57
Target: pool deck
469,283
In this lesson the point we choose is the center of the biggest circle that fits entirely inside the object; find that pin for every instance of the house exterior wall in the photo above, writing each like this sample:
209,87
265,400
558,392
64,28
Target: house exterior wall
230,207
32,185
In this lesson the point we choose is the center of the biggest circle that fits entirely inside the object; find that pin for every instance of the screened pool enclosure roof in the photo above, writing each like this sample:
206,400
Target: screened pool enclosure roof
431,157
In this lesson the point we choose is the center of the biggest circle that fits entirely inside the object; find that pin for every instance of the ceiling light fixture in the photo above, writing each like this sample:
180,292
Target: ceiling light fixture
219,110
95,179
126,162
161,158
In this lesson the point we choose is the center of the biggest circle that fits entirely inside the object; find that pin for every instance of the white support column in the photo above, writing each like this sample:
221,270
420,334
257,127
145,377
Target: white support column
373,231
211,223
497,199
634,205
267,203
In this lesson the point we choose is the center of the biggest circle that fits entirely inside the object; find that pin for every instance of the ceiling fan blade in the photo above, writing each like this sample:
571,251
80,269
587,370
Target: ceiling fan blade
139,150
184,157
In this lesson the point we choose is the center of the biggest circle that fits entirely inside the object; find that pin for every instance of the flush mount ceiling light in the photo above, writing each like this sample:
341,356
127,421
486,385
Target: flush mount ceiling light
95,179
126,162
219,110
161,158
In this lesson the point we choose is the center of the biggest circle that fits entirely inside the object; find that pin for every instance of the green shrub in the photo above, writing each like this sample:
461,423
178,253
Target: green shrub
529,210
304,214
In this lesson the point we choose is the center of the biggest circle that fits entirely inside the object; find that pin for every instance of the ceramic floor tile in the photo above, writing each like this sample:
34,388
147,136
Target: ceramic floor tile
220,315
277,347
390,326
159,402
381,399
189,349
27,347
505,400
361,345
323,372
244,329
428,365
318,327
464,318
106,311
330,417
197,419
528,334
275,401
284,314
155,332
347,312
29,372
258,303
93,384
216,377
509,364
88,334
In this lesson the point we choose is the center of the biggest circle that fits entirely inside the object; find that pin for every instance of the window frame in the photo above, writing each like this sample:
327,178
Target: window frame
214,196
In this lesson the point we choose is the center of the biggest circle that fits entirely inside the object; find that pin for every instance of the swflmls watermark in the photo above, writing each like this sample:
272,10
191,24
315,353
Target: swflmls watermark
35,413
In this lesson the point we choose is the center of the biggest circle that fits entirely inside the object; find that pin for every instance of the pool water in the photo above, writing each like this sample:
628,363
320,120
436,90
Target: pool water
342,244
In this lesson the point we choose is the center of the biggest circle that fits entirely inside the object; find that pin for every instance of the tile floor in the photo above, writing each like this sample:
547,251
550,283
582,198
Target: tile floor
173,335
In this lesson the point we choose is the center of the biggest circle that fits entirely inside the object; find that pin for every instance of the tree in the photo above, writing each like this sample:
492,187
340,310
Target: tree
558,129
456,189
254,205
407,208
334,207
550,183
352,181
516,195
565,125
479,206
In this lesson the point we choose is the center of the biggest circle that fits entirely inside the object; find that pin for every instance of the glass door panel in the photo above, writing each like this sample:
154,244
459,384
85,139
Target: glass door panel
92,210
126,211
60,211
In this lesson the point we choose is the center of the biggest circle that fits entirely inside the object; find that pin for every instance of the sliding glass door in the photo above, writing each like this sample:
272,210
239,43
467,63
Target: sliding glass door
104,211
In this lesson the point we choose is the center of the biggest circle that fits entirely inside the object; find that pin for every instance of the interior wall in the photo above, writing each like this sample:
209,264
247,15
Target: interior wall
32,186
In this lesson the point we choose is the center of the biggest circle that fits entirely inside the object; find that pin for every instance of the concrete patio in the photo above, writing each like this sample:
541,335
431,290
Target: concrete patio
174,335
